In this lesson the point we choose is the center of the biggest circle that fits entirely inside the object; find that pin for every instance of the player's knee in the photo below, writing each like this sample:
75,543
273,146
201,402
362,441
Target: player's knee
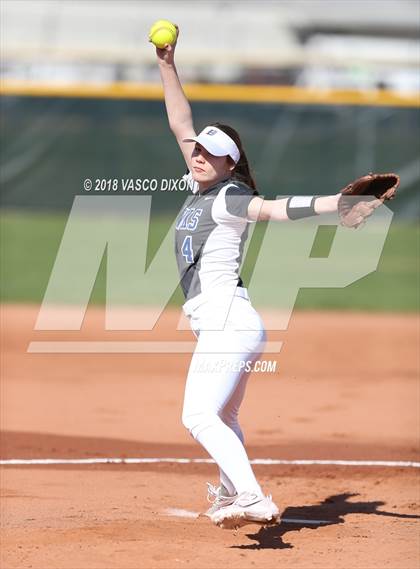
196,422
229,416
186,420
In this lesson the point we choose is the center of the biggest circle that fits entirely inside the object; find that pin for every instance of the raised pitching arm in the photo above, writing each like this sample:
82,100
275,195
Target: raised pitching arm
177,106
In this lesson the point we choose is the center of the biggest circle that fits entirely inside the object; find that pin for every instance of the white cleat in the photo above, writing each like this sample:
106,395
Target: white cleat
219,498
248,508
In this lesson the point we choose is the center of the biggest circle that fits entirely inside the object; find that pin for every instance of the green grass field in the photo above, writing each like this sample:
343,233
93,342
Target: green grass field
29,244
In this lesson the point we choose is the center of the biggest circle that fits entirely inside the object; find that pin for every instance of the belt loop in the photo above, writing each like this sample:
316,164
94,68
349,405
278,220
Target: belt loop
242,292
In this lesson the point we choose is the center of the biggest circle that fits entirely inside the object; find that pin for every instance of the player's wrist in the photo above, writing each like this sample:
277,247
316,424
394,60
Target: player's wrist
326,204
164,63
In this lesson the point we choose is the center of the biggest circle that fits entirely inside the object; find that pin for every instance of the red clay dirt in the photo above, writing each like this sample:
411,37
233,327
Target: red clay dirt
345,387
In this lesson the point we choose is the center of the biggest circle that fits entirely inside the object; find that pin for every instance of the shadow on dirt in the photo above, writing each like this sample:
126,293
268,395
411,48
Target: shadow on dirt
331,511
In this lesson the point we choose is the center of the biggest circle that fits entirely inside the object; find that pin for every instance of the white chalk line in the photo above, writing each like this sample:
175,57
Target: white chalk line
257,461
180,513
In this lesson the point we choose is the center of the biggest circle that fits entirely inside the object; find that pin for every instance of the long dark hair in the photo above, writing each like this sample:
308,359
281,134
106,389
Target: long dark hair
242,171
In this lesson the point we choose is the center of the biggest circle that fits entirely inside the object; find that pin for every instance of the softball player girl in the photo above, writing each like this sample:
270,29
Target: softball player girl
210,233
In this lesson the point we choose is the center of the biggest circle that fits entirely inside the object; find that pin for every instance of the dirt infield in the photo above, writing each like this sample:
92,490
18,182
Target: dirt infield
334,395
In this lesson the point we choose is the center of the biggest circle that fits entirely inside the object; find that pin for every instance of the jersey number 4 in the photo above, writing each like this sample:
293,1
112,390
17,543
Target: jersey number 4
187,250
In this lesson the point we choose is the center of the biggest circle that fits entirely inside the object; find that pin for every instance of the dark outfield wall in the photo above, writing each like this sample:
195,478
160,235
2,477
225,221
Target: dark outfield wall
50,145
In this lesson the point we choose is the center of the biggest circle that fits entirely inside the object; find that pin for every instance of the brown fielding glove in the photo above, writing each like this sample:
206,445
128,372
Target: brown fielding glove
376,187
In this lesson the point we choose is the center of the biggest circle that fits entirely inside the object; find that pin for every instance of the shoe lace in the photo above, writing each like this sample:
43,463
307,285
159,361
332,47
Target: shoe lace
214,495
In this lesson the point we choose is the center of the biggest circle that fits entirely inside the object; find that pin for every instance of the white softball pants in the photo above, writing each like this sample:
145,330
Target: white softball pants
217,379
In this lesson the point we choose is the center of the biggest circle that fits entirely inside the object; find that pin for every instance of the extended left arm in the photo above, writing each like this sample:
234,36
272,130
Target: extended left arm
354,204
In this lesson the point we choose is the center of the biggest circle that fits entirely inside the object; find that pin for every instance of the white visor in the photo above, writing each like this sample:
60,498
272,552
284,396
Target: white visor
216,142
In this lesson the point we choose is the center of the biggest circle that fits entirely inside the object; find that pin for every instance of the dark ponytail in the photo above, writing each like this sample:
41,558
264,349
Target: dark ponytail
242,171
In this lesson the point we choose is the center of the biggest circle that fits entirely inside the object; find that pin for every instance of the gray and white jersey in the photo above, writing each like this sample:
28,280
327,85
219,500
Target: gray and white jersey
210,234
